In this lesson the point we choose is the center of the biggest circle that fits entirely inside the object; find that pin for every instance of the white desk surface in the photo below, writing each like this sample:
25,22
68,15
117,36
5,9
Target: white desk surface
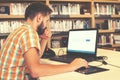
112,74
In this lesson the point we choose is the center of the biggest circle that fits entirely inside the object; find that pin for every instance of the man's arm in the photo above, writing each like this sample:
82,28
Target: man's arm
37,69
44,40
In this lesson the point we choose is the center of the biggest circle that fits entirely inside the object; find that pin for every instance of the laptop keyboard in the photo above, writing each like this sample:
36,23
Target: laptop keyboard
63,58
68,59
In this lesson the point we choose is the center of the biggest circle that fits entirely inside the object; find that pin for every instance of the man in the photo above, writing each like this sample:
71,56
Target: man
22,48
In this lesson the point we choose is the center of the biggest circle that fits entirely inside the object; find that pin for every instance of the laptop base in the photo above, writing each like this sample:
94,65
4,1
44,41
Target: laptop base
68,59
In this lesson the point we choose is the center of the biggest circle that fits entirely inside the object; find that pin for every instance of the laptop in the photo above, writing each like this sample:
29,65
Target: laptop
81,43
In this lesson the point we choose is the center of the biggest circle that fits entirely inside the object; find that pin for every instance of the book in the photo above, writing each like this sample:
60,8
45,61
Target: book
55,43
4,10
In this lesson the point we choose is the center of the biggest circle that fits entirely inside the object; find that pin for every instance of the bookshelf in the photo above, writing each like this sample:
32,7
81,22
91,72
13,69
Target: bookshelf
12,15
107,19
69,14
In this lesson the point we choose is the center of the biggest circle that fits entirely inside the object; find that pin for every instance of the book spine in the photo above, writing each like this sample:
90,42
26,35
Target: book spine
18,8
66,25
9,26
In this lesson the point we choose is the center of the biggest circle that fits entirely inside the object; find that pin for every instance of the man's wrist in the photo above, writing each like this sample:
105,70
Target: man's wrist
45,39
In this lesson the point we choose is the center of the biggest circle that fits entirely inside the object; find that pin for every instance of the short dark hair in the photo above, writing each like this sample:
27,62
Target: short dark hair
34,8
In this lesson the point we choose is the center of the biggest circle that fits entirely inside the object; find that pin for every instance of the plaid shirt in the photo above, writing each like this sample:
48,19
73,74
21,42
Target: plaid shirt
11,55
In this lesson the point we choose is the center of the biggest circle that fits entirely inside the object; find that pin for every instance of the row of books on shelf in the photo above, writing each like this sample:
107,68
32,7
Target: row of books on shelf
107,9
56,25
103,40
64,8
9,26
56,43
109,39
109,24
62,25
113,23
66,25
59,42
117,39
13,9
68,8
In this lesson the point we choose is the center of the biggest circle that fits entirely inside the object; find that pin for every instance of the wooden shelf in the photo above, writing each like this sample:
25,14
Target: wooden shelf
107,16
21,1
71,16
116,45
11,16
113,47
70,0
81,16
106,31
107,1
109,31
115,16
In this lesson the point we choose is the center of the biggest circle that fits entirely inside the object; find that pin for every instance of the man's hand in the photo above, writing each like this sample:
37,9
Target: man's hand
44,39
46,35
79,62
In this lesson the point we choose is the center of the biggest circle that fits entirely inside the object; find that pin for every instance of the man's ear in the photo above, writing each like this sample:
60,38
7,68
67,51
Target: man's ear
39,18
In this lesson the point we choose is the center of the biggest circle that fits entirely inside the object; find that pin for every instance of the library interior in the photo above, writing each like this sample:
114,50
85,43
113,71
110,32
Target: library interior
68,15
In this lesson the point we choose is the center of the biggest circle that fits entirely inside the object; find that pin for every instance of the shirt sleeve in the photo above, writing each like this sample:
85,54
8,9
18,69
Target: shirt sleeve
30,39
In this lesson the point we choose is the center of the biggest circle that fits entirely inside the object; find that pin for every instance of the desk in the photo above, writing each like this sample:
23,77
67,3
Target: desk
112,74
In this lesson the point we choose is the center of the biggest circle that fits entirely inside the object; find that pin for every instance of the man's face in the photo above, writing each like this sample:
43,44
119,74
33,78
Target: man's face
43,25
41,28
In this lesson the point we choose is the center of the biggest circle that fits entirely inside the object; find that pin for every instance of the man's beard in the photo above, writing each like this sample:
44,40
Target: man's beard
41,29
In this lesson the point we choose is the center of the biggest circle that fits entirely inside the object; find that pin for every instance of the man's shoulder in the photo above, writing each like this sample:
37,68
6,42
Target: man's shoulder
28,28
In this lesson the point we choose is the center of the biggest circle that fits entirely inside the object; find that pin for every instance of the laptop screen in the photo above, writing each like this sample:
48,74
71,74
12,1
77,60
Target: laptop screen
82,41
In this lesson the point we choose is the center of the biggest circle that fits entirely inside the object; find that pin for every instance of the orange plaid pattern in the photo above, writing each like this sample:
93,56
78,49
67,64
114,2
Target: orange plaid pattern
11,54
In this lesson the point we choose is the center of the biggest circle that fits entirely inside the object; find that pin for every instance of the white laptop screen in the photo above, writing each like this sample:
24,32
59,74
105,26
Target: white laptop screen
82,41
